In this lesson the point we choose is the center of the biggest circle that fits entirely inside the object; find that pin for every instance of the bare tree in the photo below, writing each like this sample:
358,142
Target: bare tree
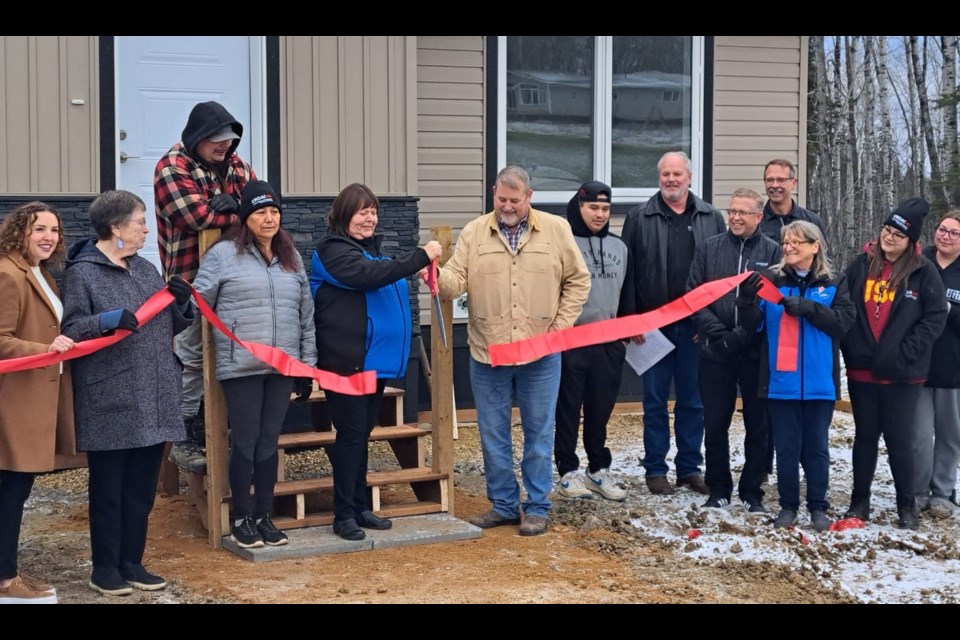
919,75
948,104
871,168
852,169
888,155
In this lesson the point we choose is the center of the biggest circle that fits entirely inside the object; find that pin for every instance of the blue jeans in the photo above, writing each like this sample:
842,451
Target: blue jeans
802,438
680,366
535,387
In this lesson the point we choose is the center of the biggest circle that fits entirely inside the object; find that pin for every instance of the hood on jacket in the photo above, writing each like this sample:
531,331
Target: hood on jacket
206,118
85,250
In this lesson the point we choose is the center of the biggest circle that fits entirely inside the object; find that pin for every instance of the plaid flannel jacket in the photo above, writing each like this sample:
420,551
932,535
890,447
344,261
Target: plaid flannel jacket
182,187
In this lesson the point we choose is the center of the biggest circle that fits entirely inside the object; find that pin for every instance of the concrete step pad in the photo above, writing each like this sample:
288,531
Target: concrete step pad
406,531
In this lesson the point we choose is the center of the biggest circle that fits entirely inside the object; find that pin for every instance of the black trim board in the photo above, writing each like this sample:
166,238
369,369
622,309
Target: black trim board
108,116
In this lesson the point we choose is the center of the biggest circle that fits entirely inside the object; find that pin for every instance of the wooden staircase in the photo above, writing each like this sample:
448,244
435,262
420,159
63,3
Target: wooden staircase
412,489
425,489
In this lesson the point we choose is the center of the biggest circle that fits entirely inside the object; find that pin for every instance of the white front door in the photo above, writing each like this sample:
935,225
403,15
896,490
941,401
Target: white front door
159,80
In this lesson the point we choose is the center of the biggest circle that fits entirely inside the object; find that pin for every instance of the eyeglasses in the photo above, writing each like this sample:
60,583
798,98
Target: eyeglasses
795,243
777,180
896,235
953,234
740,213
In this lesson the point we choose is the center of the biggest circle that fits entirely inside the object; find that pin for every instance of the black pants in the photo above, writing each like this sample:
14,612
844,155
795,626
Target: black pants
256,407
123,484
354,418
887,409
589,378
718,391
15,488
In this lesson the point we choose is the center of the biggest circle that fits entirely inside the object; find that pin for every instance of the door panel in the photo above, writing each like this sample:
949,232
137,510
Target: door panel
159,80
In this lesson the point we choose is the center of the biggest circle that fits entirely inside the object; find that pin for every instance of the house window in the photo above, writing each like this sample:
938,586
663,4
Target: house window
609,107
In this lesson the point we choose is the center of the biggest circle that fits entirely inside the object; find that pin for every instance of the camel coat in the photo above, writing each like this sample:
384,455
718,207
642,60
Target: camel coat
36,405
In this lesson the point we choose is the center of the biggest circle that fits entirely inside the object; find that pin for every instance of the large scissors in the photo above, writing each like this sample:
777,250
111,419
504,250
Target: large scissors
431,280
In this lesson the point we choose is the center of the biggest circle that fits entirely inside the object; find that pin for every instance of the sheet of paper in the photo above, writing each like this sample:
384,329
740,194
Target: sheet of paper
643,356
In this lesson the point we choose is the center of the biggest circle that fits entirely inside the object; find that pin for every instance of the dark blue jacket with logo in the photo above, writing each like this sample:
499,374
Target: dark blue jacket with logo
817,376
362,305
945,362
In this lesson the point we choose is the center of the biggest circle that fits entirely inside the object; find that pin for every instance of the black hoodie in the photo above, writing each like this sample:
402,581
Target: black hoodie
206,118
945,363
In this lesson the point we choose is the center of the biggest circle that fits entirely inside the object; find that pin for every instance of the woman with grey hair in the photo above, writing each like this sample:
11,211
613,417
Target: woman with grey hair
800,401
127,395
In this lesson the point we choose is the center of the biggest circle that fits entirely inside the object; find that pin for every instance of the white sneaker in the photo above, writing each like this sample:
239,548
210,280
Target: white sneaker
602,482
571,486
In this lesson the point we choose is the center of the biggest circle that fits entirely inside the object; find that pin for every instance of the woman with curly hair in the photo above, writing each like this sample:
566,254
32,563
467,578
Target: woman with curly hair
36,405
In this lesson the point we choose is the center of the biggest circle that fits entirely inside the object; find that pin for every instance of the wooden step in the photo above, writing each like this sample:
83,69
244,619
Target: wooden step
326,438
388,511
390,413
374,479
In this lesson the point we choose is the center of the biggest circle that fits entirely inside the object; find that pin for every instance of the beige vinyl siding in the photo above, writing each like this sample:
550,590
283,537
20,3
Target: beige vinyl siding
760,110
348,113
450,133
48,145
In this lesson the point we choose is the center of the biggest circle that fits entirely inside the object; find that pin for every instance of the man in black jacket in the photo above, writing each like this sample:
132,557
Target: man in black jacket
779,180
661,236
729,353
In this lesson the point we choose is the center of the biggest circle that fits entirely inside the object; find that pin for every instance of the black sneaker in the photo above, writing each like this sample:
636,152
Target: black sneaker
716,502
272,537
246,534
754,506
109,583
140,578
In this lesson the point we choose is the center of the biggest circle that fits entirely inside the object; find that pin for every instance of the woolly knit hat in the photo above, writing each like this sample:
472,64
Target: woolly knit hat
908,217
257,195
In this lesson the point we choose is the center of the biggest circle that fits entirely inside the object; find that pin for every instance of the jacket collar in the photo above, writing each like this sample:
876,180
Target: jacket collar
770,214
23,265
533,220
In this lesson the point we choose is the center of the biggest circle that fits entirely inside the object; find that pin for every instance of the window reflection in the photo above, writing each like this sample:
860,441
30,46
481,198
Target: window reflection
550,109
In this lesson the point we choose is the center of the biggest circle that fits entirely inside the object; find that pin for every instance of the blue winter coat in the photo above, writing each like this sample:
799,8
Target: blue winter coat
362,305
818,363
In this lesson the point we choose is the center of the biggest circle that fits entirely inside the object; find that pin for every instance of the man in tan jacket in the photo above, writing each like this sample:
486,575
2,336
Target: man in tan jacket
524,276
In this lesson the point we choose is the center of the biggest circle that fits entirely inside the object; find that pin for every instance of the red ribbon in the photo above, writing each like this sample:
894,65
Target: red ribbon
622,328
358,384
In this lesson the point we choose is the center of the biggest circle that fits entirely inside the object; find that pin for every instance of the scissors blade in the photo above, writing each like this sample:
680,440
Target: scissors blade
443,327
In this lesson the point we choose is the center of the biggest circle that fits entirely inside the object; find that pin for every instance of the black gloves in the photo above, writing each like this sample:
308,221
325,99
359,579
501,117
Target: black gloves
223,203
303,387
118,319
182,292
797,306
749,289
729,344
